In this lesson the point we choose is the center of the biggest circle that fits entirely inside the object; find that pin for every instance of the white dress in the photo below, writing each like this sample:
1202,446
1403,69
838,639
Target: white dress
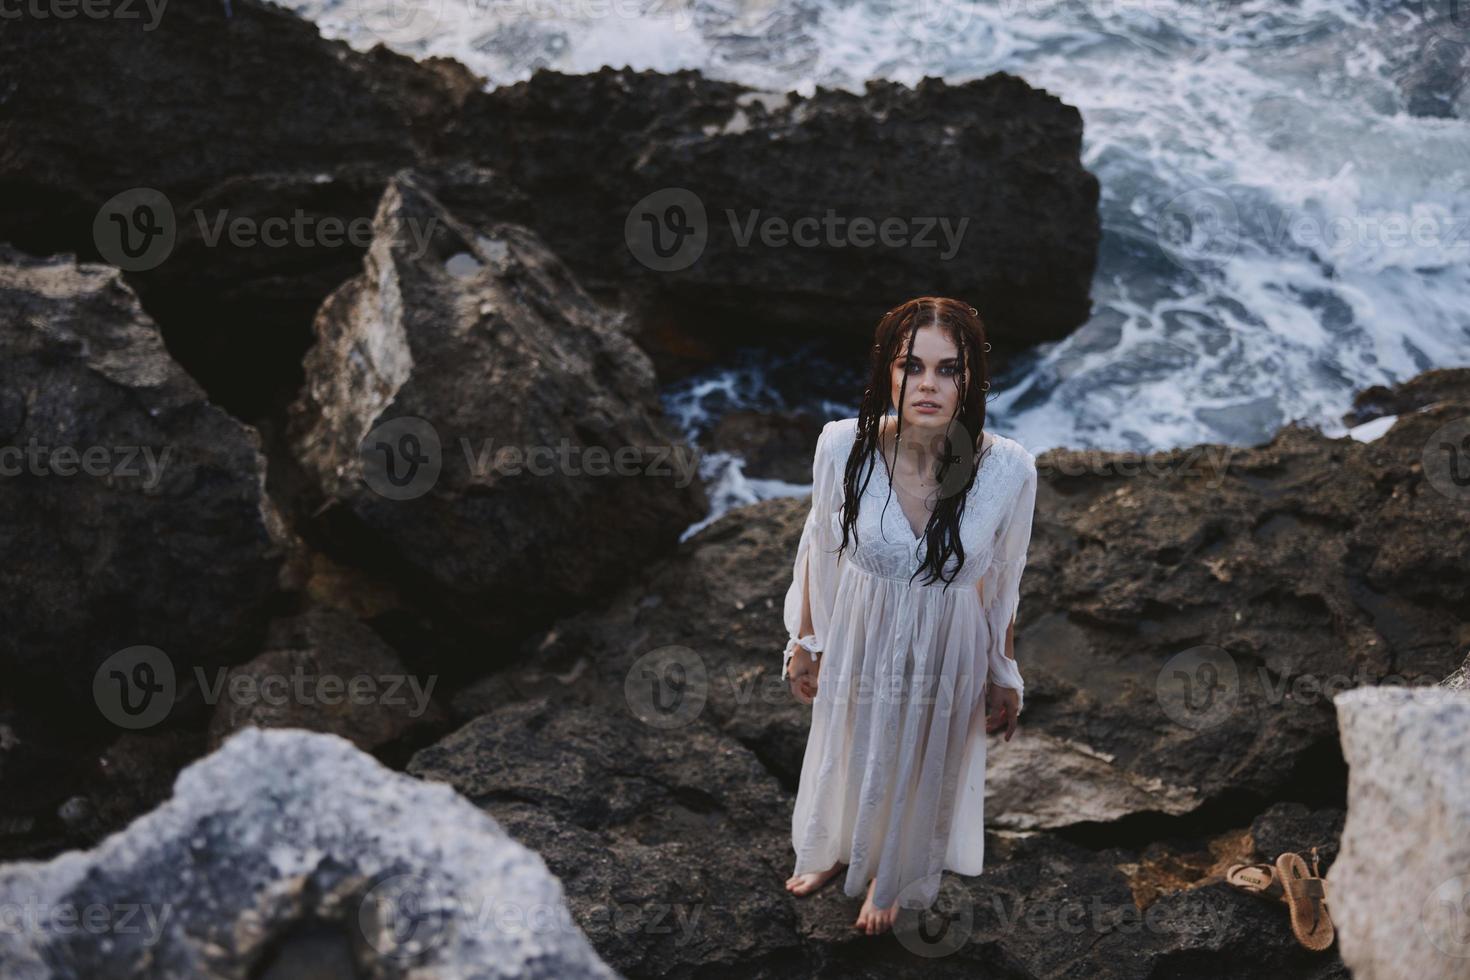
893,779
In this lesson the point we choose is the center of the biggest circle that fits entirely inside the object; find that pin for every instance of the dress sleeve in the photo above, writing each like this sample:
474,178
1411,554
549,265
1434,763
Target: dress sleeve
1003,580
817,565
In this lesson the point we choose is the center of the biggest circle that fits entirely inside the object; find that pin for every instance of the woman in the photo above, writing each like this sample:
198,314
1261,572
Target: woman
914,621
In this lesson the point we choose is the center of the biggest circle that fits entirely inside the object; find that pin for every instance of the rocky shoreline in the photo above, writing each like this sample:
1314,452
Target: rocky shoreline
250,466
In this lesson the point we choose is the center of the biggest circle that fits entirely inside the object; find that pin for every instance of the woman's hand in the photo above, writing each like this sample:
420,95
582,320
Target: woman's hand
1002,709
802,674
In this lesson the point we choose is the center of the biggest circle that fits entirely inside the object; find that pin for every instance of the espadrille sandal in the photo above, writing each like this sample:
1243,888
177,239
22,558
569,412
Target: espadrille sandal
1256,879
1306,897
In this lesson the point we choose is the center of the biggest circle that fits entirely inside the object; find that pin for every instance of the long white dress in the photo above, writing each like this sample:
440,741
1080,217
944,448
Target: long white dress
893,779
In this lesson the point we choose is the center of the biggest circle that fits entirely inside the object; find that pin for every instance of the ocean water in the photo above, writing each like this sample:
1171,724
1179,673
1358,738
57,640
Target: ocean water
1278,231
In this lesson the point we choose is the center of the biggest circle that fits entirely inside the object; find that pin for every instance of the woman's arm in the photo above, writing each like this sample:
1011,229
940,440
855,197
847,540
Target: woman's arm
809,600
1000,586
1010,650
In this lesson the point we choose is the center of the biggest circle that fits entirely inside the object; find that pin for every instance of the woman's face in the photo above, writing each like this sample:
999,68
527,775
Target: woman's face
932,366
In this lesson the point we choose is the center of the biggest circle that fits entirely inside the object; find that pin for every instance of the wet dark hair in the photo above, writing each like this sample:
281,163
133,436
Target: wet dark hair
965,433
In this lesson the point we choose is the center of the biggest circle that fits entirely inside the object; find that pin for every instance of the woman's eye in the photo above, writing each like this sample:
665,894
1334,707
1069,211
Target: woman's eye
913,368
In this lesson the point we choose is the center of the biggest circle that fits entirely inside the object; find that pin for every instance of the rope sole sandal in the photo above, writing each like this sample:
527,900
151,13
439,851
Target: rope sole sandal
1256,879
1306,897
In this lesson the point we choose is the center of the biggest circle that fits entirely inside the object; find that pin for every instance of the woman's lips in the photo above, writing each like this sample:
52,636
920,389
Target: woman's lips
926,409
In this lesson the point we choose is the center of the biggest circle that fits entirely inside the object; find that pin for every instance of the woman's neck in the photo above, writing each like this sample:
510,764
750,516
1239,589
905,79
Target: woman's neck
918,451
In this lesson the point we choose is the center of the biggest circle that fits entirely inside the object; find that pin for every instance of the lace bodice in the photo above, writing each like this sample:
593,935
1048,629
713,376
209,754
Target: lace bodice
885,543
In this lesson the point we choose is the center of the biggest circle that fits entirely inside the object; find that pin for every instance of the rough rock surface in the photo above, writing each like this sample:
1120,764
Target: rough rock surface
614,746
238,109
1279,573
672,841
484,426
290,853
1399,889
211,92
326,672
994,151
134,509
1420,391
769,445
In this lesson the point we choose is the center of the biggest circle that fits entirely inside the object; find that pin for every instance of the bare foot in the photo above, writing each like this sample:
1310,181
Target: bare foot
809,881
875,920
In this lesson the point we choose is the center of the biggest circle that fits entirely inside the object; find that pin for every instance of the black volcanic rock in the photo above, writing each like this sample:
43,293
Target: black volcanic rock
1289,569
236,108
141,517
455,345
995,153
326,672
